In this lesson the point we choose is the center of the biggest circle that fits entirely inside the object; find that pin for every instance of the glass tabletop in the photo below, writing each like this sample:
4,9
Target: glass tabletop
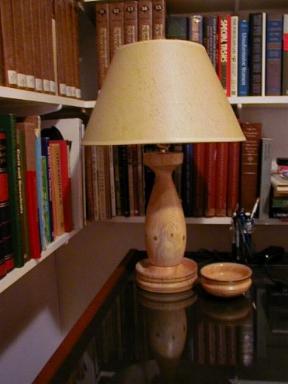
190,337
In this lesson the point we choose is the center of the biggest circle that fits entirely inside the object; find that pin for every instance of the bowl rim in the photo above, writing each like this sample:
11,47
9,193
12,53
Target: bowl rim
248,270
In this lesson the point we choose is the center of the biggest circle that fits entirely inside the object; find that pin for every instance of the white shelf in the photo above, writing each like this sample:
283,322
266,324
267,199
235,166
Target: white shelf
17,273
21,101
196,220
189,220
281,101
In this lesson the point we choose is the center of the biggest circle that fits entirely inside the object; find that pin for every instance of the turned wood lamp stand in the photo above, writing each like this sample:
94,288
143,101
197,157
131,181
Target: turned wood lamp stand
166,270
162,91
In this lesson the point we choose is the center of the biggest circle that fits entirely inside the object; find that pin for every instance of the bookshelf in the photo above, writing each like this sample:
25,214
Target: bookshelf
82,276
17,273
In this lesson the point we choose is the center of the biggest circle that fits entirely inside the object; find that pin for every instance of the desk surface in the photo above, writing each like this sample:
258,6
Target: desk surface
139,337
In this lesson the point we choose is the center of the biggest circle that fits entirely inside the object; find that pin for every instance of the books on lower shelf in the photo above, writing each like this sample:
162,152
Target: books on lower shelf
213,180
41,189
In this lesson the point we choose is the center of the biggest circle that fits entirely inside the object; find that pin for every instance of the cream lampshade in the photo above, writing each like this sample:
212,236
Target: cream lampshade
161,92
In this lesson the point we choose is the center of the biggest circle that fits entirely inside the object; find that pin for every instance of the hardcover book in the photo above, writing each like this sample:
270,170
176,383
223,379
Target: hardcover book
145,20
249,180
274,33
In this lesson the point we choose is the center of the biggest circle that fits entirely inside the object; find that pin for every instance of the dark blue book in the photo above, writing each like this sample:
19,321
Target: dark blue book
243,67
274,33
187,179
177,27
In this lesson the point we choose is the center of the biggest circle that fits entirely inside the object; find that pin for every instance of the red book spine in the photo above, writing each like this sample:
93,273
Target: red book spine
233,177
31,190
221,179
32,212
66,186
5,236
210,179
224,52
199,185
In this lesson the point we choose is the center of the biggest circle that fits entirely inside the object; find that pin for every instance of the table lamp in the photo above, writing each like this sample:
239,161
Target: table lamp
162,92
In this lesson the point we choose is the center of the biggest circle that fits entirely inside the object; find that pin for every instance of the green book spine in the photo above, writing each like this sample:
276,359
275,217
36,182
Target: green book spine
21,172
8,125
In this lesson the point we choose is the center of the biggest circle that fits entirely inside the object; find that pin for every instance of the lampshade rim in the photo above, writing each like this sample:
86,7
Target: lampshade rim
158,41
171,141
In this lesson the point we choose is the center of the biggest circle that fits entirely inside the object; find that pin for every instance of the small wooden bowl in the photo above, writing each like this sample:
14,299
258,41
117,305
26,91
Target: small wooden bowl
226,279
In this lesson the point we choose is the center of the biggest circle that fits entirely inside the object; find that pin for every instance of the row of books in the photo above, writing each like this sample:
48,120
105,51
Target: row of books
39,46
249,53
36,203
125,22
213,180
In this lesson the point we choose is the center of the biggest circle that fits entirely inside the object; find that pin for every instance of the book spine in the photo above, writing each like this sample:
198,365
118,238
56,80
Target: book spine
8,43
131,180
112,181
36,121
56,187
66,185
20,59
187,179
234,55
123,177
263,62
116,22
145,20
249,165
45,154
45,203
221,179
141,184
37,63
256,45
9,128
274,32
243,70
233,177
130,22
196,28
285,56
5,216
94,184
224,52
199,181
89,183
177,27
211,157
31,189
210,38
59,48
21,180
102,41
158,18
116,180
265,184
29,42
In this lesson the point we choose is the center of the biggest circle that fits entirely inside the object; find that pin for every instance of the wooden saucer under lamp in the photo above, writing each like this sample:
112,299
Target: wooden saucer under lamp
162,92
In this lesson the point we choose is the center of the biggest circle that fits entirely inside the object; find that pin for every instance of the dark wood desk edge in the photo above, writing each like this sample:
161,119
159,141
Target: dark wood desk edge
54,363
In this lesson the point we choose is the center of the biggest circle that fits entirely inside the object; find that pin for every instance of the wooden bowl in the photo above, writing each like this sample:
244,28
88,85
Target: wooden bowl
226,279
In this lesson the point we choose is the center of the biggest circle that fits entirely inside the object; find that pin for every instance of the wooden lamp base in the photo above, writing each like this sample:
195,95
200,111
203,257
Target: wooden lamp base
166,270
178,278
